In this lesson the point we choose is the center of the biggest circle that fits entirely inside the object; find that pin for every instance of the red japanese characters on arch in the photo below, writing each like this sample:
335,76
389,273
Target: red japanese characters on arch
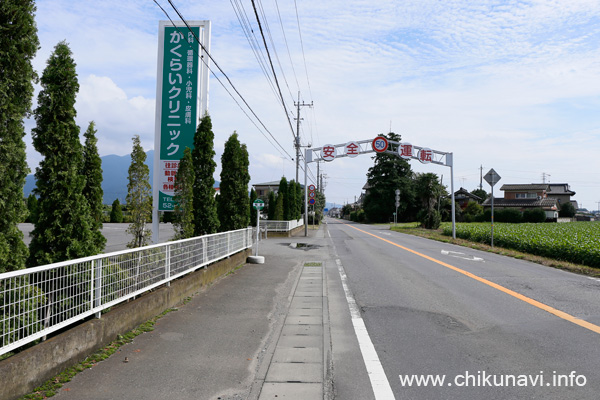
426,155
328,152
352,149
405,150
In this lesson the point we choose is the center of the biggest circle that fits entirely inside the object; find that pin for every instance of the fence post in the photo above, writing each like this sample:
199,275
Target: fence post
97,286
168,265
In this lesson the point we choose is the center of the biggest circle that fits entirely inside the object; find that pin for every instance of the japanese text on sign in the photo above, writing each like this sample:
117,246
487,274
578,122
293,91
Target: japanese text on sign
328,152
177,104
426,156
352,149
405,150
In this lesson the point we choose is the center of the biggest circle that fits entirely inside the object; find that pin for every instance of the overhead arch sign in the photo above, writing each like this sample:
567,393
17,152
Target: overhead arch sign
380,145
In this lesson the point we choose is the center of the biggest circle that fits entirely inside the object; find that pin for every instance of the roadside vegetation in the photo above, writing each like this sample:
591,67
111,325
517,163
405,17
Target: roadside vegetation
572,246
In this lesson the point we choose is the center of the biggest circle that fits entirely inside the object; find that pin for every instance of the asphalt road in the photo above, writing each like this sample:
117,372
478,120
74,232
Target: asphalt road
426,315
399,307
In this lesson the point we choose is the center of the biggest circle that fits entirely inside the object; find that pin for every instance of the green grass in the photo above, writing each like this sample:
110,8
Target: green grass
444,234
313,264
575,242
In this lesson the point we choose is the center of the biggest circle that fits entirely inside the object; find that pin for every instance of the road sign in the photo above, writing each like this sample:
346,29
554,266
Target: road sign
352,149
328,152
311,188
425,155
405,150
397,204
258,204
326,209
492,177
311,201
311,194
380,144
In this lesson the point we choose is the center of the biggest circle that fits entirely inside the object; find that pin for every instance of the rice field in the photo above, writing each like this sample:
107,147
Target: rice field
576,242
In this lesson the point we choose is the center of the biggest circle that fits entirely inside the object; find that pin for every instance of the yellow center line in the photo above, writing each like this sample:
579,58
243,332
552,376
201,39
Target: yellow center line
535,303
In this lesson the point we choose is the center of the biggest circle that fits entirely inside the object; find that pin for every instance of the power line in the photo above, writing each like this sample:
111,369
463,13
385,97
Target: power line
286,44
272,68
302,47
226,77
268,30
244,21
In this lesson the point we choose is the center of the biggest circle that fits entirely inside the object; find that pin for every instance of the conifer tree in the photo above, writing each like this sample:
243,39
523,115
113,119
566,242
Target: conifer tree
283,192
292,200
233,203
278,211
139,196
18,45
116,212
271,206
64,227
184,197
206,220
252,210
299,200
32,209
92,191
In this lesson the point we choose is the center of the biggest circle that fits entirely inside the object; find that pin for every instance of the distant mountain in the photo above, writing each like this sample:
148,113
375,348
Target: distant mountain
114,176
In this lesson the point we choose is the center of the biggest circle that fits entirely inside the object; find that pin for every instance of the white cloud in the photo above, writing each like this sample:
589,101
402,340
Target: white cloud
118,118
510,85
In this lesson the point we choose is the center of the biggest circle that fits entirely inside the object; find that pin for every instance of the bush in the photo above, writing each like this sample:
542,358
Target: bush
316,219
567,210
534,215
360,216
511,215
429,220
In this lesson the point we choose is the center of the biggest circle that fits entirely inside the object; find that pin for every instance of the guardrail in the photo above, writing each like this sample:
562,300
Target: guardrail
35,302
281,226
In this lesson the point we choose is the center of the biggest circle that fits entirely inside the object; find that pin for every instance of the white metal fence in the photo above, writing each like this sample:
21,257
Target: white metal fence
37,301
281,226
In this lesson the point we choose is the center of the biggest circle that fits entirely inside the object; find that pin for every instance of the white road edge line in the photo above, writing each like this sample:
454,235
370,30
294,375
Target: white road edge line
379,382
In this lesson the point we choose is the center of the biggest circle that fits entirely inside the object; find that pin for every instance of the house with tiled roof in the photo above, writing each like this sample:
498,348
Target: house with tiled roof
463,197
526,196
561,192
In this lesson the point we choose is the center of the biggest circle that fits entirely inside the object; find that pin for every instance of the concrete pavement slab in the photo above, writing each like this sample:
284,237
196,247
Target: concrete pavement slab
292,391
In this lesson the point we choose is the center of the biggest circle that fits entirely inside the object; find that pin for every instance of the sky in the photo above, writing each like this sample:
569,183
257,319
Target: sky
510,85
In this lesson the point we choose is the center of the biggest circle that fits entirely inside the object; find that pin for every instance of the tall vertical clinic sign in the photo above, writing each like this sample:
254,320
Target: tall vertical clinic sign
181,99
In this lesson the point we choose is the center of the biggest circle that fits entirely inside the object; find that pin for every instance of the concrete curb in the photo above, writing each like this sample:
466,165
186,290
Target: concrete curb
23,372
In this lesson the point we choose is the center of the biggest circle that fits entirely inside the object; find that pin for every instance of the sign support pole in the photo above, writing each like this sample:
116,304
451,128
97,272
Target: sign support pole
492,216
492,178
257,231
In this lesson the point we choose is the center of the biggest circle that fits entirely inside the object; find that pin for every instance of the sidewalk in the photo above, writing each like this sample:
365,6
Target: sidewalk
259,333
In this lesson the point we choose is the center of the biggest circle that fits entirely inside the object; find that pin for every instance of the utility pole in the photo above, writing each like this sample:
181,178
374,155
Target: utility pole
481,177
297,144
322,189
318,187
544,175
